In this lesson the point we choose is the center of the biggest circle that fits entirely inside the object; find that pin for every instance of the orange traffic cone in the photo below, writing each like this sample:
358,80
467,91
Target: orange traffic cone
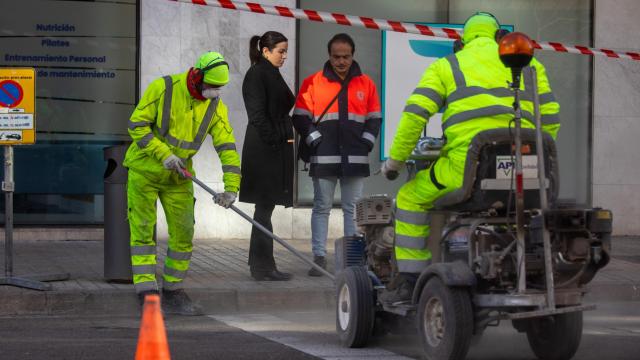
152,341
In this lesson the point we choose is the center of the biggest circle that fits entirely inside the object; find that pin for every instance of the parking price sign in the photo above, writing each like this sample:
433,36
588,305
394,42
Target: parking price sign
17,106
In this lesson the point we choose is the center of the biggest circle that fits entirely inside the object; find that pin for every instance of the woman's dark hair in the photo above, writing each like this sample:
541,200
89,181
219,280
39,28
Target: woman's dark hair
268,40
344,38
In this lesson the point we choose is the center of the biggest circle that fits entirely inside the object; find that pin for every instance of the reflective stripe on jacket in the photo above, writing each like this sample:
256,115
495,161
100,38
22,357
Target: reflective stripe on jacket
471,87
350,126
179,126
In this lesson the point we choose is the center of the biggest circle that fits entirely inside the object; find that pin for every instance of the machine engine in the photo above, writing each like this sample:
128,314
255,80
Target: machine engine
374,217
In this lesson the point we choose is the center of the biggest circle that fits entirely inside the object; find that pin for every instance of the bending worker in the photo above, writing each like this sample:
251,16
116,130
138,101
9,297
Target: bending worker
168,127
472,86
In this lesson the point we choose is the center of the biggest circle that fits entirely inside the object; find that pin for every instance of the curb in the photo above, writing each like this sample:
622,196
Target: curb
124,302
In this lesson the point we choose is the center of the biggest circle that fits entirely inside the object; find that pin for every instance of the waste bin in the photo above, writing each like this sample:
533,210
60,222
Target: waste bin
117,253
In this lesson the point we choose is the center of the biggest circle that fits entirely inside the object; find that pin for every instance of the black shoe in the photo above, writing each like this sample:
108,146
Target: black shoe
142,295
320,261
178,302
273,275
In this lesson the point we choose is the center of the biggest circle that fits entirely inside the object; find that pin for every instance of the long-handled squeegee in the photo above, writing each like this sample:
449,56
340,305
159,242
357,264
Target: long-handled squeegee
275,237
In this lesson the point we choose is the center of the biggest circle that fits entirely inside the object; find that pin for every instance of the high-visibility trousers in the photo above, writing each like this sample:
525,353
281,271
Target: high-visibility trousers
177,201
414,200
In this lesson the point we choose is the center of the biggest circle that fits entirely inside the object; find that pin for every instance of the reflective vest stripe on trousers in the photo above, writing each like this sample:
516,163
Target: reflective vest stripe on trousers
143,250
409,243
178,274
413,217
146,286
144,269
179,255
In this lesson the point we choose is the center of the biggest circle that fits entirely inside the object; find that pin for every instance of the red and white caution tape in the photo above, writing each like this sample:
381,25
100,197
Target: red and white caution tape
585,50
397,26
333,18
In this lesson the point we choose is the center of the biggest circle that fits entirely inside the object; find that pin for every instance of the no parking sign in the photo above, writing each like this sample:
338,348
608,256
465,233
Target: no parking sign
17,106
10,93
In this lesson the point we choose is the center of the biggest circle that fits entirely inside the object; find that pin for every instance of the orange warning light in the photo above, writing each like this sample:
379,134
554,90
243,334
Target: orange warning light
516,50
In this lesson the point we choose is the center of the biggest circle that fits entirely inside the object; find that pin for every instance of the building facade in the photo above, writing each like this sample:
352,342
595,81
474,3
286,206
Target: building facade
114,49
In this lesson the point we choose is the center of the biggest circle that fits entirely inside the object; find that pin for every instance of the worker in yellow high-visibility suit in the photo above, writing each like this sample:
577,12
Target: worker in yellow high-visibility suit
472,87
168,127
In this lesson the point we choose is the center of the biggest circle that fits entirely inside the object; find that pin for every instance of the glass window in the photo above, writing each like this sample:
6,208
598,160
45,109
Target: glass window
313,38
84,53
545,20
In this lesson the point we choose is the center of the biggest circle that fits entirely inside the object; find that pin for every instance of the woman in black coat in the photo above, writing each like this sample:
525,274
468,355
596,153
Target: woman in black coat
267,153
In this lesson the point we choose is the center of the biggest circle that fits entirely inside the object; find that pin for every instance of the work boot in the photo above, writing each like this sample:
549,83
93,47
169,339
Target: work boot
143,294
398,290
320,261
177,302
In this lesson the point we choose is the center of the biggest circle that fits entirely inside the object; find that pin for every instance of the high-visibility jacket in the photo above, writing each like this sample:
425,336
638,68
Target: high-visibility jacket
472,88
168,120
348,129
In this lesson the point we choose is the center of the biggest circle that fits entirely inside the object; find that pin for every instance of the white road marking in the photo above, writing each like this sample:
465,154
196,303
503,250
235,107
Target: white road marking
311,337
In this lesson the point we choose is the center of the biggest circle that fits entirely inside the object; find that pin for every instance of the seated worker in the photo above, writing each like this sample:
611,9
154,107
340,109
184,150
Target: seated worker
472,86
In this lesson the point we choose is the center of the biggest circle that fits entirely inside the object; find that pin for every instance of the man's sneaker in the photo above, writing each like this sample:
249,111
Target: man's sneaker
320,261
177,302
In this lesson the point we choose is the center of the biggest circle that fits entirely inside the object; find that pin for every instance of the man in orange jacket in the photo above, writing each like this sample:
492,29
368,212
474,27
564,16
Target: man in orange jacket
341,140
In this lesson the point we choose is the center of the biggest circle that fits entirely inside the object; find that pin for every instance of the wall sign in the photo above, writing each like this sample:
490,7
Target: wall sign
84,53
17,106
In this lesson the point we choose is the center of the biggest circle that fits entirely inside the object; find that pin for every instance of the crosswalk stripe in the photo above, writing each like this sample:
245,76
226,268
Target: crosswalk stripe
308,338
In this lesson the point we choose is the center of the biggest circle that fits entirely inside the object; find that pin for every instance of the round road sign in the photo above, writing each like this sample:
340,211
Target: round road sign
10,93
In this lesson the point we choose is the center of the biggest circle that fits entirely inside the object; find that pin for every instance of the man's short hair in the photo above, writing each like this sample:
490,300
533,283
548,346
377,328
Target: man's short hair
344,38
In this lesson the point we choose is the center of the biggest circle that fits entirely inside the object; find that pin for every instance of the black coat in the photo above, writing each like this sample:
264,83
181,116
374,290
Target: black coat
267,156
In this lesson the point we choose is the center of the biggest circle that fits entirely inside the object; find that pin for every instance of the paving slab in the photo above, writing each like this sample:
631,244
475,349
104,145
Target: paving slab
219,279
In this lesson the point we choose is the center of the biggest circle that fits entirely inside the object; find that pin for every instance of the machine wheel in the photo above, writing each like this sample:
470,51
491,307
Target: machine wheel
555,337
445,321
354,307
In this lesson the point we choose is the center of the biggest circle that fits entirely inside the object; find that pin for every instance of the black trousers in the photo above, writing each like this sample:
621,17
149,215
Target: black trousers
261,247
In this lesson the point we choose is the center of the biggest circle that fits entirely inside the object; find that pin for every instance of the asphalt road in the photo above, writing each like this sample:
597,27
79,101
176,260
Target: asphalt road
115,338
612,332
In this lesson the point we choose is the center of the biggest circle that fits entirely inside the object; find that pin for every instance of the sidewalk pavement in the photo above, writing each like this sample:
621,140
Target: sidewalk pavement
219,279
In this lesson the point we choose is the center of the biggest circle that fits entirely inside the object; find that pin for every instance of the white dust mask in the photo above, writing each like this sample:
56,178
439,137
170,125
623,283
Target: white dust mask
211,93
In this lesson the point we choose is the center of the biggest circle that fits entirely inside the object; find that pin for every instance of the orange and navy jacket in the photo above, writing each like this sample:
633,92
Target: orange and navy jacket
348,130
